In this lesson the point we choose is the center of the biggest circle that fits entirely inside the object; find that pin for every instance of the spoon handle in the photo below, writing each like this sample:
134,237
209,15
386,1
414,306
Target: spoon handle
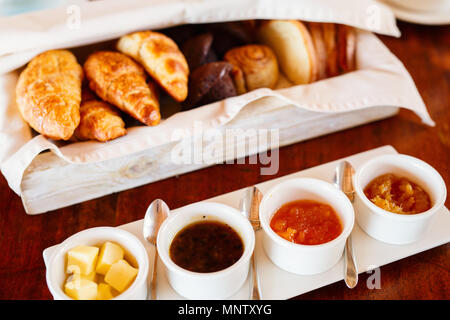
254,294
153,276
351,274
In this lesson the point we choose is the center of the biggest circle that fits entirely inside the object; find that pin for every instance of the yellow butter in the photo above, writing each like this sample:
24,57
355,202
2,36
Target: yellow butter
104,292
91,276
82,260
79,288
120,275
109,254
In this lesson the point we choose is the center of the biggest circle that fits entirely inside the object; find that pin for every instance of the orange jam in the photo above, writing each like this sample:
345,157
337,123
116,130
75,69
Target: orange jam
397,195
306,222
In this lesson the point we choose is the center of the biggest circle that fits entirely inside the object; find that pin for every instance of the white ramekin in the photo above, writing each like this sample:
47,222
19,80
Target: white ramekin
56,275
297,258
390,227
212,285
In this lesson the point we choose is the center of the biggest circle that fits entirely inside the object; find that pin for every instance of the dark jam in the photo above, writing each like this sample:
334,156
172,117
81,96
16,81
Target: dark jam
206,246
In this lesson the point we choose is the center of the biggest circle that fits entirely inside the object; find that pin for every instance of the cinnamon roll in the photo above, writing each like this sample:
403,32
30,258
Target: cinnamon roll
254,66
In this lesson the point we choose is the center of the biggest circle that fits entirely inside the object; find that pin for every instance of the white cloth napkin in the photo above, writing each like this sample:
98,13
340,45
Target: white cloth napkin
80,23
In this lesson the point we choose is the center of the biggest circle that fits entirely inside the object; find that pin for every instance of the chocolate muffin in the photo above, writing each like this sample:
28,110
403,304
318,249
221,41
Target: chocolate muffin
198,50
209,83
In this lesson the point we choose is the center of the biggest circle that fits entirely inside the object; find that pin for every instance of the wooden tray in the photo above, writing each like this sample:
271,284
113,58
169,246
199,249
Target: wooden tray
279,284
51,183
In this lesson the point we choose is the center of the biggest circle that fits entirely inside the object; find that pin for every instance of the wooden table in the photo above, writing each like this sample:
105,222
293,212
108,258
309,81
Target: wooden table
424,50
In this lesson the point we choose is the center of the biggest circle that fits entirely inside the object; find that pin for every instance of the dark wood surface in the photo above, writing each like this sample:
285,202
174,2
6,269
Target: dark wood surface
425,51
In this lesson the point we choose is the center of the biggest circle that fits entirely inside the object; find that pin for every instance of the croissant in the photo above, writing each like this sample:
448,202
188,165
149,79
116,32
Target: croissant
254,66
48,94
99,121
161,58
119,80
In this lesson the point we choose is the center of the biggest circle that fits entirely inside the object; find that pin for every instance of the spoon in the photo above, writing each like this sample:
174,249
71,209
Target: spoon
156,213
343,179
250,208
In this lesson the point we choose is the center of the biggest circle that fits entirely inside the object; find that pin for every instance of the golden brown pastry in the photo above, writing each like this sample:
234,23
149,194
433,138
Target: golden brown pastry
254,66
161,58
119,80
329,35
316,31
292,44
48,94
99,121
351,48
346,43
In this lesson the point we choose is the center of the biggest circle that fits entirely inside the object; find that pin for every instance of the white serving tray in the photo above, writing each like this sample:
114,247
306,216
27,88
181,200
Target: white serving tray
278,284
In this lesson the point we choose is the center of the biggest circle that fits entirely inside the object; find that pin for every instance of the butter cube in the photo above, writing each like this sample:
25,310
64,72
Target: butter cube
91,276
82,260
104,292
79,288
109,254
120,275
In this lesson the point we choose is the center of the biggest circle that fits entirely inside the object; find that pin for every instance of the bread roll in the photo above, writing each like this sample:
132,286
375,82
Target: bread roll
346,43
99,121
315,29
351,48
119,80
48,94
292,44
329,35
161,58
254,66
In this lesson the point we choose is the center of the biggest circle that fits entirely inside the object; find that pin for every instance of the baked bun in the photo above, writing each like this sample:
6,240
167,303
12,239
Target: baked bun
161,58
254,66
48,94
292,44
210,83
99,121
329,35
198,50
346,44
119,80
316,32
